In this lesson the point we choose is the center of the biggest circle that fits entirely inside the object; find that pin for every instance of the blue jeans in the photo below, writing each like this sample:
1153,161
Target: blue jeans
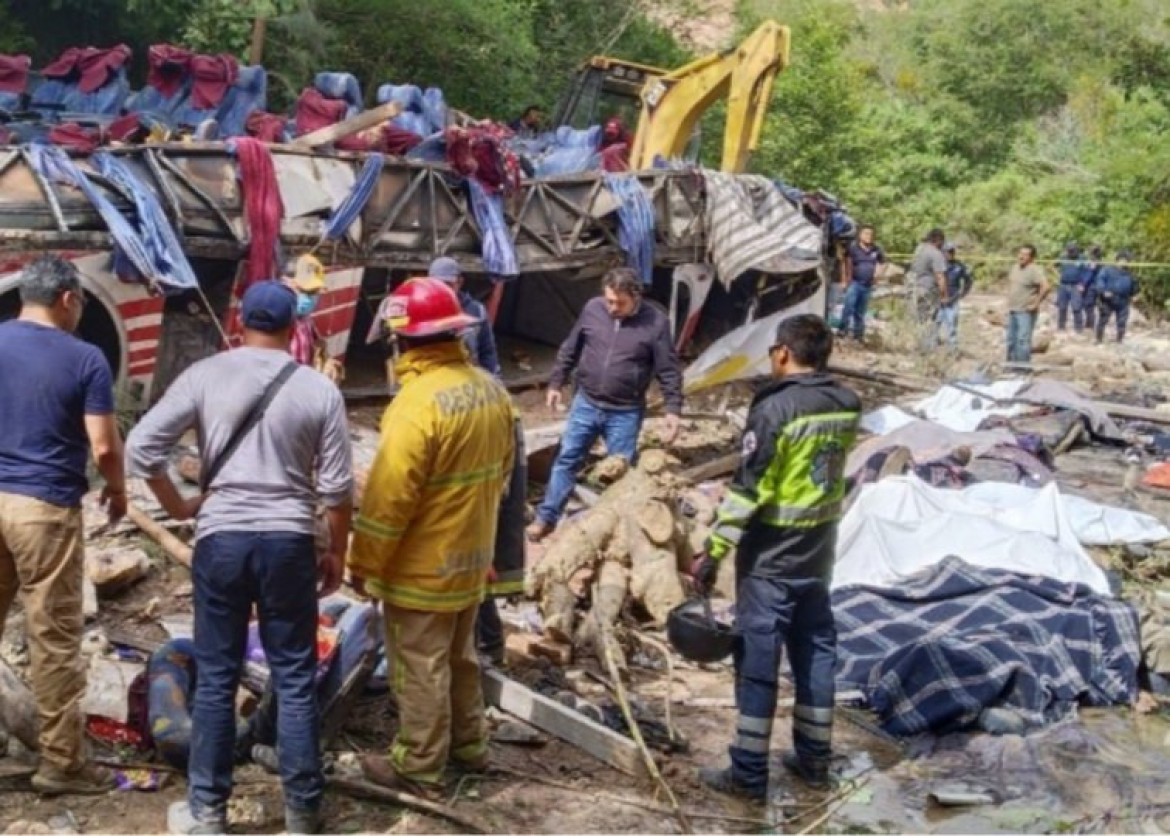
948,321
1108,308
856,305
1069,296
277,572
587,423
771,614
1019,336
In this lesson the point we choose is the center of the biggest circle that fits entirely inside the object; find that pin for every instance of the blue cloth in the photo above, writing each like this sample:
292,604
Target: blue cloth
414,108
1026,642
772,614
276,572
363,189
635,224
1019,336
865,262
587,422
854,308
480,342
49,382
496,249
162,245
341,86
248,95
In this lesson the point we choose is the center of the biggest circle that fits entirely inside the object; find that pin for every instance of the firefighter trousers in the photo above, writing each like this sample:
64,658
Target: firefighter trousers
434,675
774,613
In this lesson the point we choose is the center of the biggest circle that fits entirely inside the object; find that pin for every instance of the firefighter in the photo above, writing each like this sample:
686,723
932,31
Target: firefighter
424,539
780,516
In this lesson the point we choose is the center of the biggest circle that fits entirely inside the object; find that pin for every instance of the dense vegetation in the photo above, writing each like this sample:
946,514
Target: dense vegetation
1004,121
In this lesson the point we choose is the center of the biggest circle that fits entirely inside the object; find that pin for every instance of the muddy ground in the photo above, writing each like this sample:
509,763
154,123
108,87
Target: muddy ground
1103,771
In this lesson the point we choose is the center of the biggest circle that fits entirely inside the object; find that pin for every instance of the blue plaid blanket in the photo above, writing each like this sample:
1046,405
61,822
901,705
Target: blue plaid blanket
957,639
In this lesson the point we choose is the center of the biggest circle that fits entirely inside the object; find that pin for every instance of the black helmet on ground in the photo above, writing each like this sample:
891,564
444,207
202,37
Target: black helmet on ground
696,634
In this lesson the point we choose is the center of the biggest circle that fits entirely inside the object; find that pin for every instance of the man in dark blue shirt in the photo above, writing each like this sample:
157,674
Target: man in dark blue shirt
959,281
480,341
1089,286
858,278
56,404
1116,288
1071,291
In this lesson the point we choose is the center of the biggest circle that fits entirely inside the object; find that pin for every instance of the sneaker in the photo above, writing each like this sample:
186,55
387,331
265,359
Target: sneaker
814,774
722,780
182,822
377,769
91,779
302,821
538,531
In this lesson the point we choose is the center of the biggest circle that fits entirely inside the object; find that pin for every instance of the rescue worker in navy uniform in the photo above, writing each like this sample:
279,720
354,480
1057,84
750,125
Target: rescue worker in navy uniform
1070,293
780,516
1089,286
1116,288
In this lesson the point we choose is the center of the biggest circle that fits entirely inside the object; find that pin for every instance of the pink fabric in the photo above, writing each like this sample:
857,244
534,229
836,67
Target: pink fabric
14,73
213,75
615,157
262,206
169,65
304,337
125,128
92,66
479,152
72,135
314,111
266,127
396,140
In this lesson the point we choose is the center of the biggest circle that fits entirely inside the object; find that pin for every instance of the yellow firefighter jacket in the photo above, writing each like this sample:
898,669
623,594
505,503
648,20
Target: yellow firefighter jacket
426,532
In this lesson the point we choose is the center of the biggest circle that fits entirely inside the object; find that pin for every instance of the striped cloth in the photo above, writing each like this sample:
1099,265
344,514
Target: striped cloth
749,225
635,224
954,639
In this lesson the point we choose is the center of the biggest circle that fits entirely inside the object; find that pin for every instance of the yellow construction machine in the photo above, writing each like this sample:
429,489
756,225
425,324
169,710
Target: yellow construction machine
668,104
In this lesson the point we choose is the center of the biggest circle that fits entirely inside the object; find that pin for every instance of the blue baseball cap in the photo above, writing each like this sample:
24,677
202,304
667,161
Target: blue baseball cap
268,306
445,269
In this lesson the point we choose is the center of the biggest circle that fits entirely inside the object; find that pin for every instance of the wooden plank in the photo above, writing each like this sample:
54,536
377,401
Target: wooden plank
560,721
171,544
1138,413
713,469
348,127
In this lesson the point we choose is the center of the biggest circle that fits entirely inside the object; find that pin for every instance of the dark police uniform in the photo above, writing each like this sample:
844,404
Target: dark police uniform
781,514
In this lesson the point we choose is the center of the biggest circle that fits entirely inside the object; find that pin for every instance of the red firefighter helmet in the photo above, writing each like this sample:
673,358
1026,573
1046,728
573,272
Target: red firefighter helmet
424,308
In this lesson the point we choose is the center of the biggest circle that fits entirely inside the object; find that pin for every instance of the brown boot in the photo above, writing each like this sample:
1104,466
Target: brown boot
538,531
91,779
377,770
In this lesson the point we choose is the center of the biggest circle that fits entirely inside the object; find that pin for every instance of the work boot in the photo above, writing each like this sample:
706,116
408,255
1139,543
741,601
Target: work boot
722,780
302,821
377,770
815,774
538,531
181,821
90,779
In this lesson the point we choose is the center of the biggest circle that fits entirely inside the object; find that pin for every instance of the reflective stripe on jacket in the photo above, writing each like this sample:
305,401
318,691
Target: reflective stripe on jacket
426,532
790,482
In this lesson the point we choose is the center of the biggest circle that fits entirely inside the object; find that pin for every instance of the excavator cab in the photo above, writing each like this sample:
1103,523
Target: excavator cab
668,105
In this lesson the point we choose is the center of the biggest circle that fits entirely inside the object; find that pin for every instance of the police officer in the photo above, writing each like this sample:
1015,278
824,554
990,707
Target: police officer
780,515
1089,286
1116,288
1071,291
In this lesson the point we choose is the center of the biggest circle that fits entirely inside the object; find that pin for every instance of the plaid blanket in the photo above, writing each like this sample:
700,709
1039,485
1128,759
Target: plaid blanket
955,640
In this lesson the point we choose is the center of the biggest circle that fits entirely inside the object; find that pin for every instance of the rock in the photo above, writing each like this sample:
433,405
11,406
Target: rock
997,319
1042,341
22,826
114,570
518,734
107,688
1157,362
1059,358
89,601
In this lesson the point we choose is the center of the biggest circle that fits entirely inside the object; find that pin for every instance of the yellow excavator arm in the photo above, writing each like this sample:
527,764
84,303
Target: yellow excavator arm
673,103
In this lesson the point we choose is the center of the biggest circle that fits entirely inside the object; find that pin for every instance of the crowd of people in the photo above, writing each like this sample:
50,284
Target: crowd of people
937,279
440,528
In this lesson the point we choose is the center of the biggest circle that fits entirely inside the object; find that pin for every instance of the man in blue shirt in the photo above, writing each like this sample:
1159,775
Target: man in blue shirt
1071,290
56,405
860,270
959,281
481,343
1089,286
1116,288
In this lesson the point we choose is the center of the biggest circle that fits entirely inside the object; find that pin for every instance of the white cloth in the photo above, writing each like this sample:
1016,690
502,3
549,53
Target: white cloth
963,411
886,420
901,525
